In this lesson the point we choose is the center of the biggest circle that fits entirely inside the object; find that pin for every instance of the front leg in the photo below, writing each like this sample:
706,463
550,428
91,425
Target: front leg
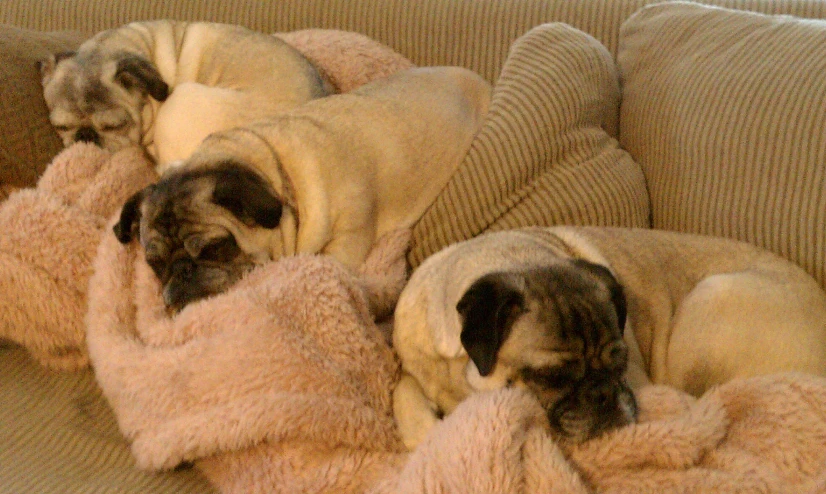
415,413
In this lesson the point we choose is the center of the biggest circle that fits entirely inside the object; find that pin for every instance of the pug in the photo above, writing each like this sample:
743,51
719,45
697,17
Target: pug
330,176
165,85
582,316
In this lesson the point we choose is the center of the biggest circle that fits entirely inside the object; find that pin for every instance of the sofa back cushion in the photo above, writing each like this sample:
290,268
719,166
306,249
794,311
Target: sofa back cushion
475,34
546,153
726,113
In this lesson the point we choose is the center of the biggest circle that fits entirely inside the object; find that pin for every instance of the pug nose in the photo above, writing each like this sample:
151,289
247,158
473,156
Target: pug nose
602,395
183,269
87,134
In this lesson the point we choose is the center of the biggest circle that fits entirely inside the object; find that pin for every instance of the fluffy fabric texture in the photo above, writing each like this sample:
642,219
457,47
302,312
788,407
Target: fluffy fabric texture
751,435
286,371
348,59
52,230
51,234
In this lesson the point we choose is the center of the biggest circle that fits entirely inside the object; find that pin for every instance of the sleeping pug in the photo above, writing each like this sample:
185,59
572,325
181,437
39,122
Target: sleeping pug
328,177
580,316
165,85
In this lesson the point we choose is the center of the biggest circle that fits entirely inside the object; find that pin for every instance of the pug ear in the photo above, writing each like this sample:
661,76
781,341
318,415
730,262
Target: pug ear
130,216
246,195
134,72
47,65
607,278
488,309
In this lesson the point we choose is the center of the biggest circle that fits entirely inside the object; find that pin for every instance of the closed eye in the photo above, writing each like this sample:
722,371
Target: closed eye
224,249
113,127
556,377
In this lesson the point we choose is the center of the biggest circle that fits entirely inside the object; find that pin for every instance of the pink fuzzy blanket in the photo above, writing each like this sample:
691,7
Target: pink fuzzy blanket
50,237
283,383
283,378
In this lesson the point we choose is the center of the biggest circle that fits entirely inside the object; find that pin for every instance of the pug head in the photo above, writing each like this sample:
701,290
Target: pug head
99,98
202,229
556,331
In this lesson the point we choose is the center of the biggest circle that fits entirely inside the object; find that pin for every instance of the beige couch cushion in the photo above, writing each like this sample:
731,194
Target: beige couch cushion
471,33
545,154
27,142
726,113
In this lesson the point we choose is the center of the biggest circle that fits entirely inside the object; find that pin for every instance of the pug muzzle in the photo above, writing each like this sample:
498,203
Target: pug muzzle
556,331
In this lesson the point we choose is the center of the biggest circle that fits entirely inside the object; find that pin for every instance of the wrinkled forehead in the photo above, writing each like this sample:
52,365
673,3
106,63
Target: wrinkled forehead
556,330
175,205
538,339
77,88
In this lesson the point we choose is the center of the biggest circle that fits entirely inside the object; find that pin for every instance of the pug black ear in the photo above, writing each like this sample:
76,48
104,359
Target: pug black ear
489,308
246,195
614,287
130,215
134,72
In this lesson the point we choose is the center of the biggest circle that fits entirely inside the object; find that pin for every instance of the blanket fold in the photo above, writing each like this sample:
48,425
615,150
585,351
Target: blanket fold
50,238
763,435
295,336
289,358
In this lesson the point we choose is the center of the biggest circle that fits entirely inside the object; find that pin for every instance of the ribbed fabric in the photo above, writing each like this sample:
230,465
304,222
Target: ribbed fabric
725,112
58,435
543,156
471,33
429,32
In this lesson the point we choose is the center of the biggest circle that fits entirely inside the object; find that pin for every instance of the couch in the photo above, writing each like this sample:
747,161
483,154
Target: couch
645,116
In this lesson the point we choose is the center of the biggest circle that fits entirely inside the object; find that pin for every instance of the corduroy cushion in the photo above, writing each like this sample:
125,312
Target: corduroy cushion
28,142
725,112
545,154
475,34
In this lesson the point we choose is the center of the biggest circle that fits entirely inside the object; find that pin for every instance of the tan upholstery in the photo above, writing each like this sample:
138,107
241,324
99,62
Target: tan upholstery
725,112
544,155
471,33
